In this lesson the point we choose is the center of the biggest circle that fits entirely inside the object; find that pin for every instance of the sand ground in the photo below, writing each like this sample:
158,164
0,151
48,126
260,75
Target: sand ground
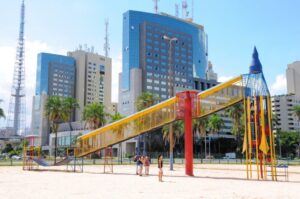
210,181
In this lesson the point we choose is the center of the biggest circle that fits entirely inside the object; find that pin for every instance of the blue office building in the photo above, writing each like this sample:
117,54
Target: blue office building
144,47
55,76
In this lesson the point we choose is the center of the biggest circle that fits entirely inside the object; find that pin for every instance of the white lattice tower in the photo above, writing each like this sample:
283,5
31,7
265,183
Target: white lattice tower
17,112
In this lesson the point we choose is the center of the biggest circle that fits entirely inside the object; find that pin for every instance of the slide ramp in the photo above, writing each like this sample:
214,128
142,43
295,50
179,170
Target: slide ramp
205,103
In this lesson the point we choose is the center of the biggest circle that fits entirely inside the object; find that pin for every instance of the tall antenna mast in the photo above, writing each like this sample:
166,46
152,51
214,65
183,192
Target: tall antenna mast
106,39
155,6
176,10
184,9
192,10
16,121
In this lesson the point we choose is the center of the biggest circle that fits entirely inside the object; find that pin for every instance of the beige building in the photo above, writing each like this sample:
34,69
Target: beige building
282,105
93,80
293,79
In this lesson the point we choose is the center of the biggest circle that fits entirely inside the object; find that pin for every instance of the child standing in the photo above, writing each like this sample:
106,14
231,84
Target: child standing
147,165
140,164
160,166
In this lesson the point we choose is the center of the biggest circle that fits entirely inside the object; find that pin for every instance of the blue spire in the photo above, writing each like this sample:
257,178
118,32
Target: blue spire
255,66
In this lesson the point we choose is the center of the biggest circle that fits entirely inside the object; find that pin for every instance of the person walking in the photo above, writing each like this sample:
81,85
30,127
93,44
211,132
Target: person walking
160,166
147,165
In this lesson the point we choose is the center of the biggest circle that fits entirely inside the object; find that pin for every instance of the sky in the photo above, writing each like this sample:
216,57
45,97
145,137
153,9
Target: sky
233,28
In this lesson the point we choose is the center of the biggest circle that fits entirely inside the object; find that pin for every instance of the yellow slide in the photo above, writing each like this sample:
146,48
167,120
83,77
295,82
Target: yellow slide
206,102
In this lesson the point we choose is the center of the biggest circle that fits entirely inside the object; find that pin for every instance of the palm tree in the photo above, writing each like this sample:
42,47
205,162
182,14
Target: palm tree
145,100
296,110
1,111
94,115
236,112
70,104
275,123
119,130
199,126
56,113
177,132
215,124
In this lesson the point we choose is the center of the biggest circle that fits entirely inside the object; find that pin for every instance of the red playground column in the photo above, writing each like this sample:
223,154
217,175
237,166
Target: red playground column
185,110
188,135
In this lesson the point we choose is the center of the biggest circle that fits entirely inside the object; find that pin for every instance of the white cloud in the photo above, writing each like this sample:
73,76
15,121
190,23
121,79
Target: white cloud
224,78
116,69
32,48
279,86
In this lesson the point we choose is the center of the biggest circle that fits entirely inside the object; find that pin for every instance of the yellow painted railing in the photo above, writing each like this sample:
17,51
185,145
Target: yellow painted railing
220,96
207,102
129,127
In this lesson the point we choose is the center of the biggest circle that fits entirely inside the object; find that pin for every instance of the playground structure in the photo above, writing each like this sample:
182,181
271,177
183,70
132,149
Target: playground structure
250,89
32,154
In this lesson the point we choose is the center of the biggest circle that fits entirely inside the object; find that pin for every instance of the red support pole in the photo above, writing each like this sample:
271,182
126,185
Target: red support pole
188,135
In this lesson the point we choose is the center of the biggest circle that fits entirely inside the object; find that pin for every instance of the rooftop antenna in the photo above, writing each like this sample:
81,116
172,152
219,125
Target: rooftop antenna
192,10
176,10
184,9
106,39
155,6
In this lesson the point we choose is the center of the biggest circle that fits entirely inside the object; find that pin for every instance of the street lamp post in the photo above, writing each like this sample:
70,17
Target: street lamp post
165,37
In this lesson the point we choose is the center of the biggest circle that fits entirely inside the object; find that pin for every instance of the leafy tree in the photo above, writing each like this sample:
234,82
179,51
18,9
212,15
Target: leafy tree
1,112
199,127
177,132
74,138
296,110
119,130
8,148
94,115
56,113
289,142
236,112
215,124
145,100
70,104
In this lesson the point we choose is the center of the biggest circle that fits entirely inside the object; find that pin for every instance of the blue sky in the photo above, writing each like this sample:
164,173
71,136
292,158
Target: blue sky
233,28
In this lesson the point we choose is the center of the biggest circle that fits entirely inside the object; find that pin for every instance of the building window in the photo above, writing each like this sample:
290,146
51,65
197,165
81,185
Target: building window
102,68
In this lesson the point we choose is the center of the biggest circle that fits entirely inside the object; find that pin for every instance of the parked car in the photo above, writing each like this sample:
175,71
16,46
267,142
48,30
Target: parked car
15,157
209,157
229,156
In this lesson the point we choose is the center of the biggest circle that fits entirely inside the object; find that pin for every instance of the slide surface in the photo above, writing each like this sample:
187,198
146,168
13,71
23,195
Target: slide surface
204,103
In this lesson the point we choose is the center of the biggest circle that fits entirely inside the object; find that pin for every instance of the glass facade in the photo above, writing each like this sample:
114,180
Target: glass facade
144,47
55,75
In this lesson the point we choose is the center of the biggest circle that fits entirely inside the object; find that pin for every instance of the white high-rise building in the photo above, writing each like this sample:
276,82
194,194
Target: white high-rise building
282,105
293,79
93,80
